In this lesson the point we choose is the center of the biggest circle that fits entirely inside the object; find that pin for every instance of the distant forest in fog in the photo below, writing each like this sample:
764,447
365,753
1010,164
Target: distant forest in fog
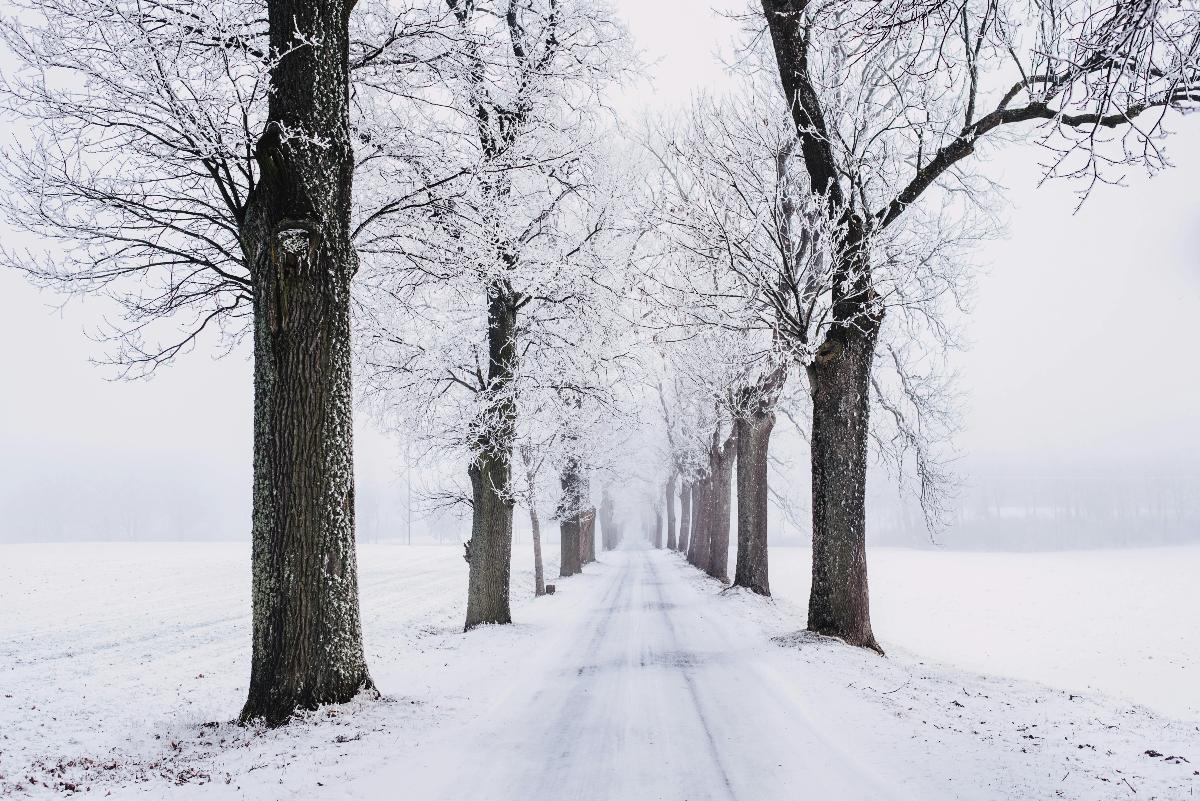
993,509
1051,511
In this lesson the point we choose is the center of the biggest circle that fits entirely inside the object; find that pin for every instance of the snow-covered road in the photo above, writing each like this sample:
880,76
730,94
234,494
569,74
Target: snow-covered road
640,680
655,685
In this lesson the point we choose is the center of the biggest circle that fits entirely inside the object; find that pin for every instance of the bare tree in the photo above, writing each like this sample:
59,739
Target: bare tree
523,120
307,636
889,101
143,122
694,411
195,163
725,201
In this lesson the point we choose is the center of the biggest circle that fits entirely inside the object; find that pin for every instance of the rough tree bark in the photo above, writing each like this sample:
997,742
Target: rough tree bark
720,490
569,563
753,441
669,497
570,521
535,525
489,551
839,381
307,636
753,425
685,516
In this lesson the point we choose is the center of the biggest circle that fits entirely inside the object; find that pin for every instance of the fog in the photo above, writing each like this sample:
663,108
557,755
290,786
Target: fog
1080,386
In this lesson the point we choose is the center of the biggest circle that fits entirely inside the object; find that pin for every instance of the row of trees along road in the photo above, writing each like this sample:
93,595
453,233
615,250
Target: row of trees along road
433,200
825,211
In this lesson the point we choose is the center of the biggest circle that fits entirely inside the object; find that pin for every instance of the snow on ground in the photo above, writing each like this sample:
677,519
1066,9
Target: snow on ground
1121,622
120,666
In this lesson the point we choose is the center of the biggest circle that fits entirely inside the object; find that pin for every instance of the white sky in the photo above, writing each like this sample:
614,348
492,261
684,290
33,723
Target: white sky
1084,332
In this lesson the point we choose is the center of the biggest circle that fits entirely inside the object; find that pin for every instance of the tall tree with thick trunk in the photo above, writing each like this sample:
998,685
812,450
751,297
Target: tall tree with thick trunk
838,598
307,637
839,381
489,551
490,547
1073,70
201,169
535,71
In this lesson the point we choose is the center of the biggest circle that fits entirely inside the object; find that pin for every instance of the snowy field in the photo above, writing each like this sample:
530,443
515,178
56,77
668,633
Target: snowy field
1121,622
1010,676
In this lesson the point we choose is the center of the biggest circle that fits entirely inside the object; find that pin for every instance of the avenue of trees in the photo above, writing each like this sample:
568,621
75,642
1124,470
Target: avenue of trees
430,211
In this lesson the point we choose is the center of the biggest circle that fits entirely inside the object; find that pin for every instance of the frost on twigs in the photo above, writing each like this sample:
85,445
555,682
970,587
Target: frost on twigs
497,288
141,120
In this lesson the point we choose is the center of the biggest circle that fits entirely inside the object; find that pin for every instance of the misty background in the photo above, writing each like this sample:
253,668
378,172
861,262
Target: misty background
1080,385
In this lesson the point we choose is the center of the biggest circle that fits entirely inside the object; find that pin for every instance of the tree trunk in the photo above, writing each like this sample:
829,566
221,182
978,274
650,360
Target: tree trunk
490,548
753,441
570,521
672,543
569,563
698,548
539,575
753,422
307,636
685,516
587,531
697,524
839,381
719,505
839,377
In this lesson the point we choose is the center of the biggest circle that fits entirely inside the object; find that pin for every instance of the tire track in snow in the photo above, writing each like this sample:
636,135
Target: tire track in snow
664,608
641,660
648,686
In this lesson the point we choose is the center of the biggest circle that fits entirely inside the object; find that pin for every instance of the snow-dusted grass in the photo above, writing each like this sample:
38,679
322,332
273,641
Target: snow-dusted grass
1121,622
121,666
